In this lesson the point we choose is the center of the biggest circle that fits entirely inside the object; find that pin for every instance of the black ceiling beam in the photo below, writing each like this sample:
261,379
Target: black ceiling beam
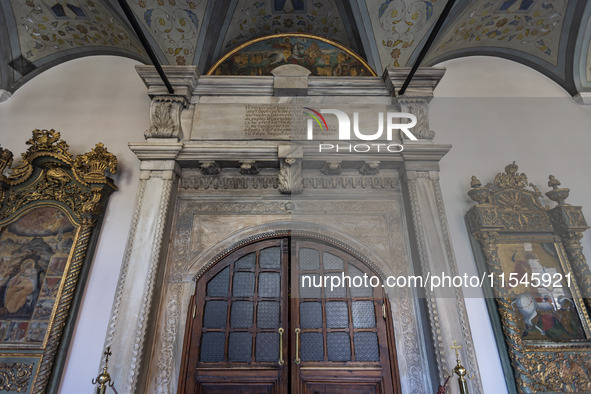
427,46
140,34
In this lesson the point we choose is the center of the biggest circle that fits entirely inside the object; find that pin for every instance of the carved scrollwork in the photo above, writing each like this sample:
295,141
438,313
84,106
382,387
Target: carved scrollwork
507,203
15,376
210,168
46,141
248,168
5,160
510,179
331,168
419,108
370,168
566,372
290,176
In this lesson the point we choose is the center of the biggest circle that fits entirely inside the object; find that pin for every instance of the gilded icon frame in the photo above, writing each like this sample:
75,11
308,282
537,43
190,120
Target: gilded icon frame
51,209
542,346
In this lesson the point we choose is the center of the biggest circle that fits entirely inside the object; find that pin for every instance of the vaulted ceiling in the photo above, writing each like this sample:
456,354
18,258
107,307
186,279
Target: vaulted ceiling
551,36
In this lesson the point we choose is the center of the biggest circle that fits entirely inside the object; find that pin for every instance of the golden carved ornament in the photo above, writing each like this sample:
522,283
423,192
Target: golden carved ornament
60,176
92,165
511,178
15,376
88,168
5,160
508,190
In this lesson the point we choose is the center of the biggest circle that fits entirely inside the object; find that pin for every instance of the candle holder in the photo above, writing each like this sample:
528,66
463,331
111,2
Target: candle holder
104,379
458,370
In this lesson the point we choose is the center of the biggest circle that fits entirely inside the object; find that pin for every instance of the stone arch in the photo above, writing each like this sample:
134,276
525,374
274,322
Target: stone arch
288,228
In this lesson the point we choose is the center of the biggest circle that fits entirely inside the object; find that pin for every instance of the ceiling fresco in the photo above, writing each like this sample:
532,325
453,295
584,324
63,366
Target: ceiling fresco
45,27
174,25
256,18
551,36
399,26
530,26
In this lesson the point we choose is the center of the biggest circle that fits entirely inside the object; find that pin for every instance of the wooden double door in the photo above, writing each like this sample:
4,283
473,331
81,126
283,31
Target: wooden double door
259,323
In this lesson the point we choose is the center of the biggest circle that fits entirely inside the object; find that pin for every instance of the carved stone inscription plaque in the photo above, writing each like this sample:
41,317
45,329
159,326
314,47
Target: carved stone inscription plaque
274,121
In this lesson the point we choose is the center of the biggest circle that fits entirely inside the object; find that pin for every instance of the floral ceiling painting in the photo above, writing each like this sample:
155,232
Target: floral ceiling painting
255,18
399,26
39,34
174,24
49,26
530,26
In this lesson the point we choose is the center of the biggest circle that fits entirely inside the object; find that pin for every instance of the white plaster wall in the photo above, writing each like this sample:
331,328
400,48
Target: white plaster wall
494,111
88,100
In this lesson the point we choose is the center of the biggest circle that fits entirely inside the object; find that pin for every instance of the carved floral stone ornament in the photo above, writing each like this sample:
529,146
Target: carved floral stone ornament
165,117
51,206
538,281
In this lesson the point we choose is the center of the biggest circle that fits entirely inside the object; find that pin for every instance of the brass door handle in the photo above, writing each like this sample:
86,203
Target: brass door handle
281,362
297,346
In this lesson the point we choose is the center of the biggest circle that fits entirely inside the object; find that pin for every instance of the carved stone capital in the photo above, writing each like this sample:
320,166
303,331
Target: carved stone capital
165,117
419,107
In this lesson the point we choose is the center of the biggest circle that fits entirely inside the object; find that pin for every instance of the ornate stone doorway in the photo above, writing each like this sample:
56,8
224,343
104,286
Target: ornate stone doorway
258,323
224,170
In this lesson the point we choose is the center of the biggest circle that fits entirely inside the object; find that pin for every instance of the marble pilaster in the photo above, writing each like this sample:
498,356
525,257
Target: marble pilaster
141,272
433,251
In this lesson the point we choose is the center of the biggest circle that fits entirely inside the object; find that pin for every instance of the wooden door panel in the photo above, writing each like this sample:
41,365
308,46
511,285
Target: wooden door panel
337,328
333,381
233,381
247,308
240,306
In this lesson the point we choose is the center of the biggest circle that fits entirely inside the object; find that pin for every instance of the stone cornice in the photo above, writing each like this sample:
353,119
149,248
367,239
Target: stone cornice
161,149
267,151
182,78
263,86
422,85
187,83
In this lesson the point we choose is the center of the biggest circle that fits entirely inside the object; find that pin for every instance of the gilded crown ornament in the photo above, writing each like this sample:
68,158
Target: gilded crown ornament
511,178
94,164
46,141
